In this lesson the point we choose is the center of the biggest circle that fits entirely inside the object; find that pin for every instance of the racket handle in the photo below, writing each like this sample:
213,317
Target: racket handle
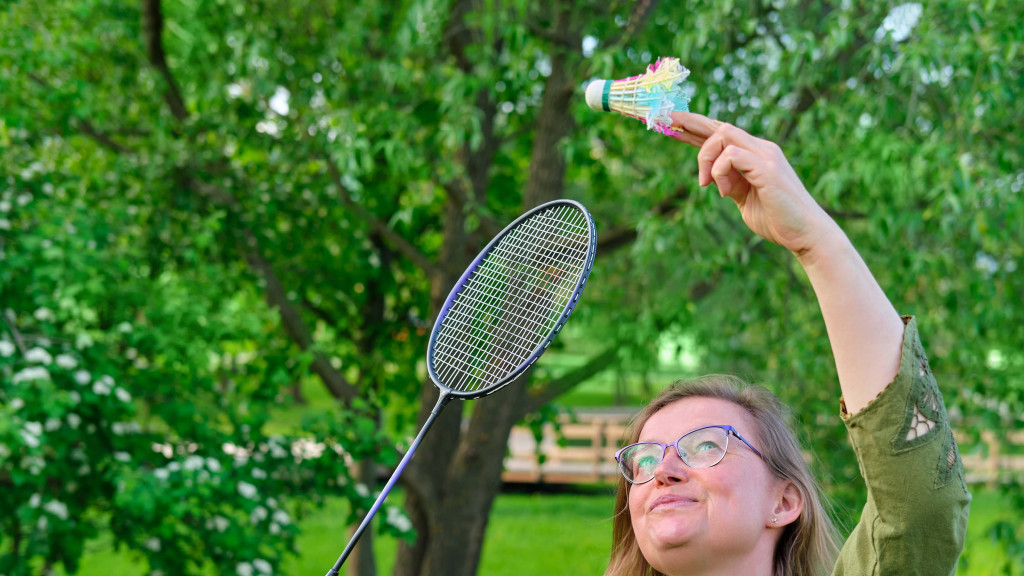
391,483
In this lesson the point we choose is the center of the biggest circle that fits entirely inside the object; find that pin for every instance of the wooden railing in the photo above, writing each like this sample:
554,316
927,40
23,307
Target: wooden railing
591,439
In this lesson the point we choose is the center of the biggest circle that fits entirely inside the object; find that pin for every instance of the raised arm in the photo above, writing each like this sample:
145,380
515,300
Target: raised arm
863,327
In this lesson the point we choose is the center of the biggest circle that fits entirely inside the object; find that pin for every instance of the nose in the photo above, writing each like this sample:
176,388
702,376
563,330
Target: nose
672,469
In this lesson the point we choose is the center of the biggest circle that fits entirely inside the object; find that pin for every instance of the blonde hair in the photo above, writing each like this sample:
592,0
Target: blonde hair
807,547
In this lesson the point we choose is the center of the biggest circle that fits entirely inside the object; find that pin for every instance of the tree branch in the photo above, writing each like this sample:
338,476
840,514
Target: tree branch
12,325
152,31
551,390
101,137
641,10
277,297
104,140
401,244
618,238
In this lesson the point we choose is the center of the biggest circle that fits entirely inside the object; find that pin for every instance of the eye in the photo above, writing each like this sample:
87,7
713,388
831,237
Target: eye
646,463
707,446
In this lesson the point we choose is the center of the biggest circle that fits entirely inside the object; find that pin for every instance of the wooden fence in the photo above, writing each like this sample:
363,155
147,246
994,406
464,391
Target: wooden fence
586,454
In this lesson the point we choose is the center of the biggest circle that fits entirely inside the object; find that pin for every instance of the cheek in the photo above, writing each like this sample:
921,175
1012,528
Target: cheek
635,502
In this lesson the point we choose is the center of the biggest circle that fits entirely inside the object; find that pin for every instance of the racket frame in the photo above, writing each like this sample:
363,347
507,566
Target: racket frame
464,281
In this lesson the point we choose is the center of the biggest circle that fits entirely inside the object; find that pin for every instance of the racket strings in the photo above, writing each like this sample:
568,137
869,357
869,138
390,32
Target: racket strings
513,300
511,340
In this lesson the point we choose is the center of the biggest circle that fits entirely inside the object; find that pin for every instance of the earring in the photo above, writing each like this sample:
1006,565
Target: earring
775,520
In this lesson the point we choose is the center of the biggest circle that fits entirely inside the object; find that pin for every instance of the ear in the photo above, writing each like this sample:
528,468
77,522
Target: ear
788,506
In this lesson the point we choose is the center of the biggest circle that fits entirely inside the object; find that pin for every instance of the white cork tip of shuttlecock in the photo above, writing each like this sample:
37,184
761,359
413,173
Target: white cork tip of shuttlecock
594,92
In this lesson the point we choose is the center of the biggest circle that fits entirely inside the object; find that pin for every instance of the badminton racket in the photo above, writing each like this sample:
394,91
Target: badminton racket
503,313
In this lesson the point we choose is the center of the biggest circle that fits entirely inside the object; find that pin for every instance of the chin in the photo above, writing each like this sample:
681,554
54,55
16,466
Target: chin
669,534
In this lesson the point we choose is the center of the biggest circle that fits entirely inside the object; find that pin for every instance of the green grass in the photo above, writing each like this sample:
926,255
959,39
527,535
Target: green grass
550,534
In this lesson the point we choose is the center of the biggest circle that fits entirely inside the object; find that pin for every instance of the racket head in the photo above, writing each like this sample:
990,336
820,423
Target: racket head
512,300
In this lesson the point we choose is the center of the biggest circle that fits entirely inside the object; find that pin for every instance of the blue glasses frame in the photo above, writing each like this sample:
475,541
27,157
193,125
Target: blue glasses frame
729,430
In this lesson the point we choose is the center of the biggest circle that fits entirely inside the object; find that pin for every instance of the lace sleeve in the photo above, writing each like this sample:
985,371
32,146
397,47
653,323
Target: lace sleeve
915,519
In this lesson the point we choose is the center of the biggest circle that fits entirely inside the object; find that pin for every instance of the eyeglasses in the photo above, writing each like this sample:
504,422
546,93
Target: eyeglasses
700,448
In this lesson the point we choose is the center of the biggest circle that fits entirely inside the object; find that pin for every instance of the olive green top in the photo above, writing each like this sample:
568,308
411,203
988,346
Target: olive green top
915,518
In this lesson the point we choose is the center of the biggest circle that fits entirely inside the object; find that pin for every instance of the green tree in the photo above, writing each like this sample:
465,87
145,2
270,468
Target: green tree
343,161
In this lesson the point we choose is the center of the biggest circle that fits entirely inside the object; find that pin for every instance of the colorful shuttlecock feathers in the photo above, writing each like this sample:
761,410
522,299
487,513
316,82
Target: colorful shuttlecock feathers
648,97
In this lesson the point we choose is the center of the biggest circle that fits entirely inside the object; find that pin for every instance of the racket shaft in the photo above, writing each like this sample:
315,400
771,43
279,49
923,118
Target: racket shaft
391,482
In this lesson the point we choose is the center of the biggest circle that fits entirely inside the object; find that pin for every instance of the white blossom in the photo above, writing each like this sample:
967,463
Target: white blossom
274,528
124,328
123,395
34,428
4,451
247,490
258,515
82,377
362,490
52,424
39,356
193,463
30,374
153,544
83,341
262,566
281,517
161,474
66,361
58,509
5,206
122,457
42,523
6,348
44,315
74,420
100,388
258,473
75,397
35,500
220,523
117,428
244,569
17,404
213,465
396,518
5,224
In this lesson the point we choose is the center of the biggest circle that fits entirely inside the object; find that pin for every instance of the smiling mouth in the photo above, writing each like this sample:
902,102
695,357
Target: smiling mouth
671,502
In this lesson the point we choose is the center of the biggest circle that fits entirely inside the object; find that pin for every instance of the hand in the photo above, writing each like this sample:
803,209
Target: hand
773,202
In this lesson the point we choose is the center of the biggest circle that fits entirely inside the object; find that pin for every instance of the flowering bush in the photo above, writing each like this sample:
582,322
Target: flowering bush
135,400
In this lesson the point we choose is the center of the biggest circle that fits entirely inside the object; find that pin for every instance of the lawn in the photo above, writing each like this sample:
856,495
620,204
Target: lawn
550,534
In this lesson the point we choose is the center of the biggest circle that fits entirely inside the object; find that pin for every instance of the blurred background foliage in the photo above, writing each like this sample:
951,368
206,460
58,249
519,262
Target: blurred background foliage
211,212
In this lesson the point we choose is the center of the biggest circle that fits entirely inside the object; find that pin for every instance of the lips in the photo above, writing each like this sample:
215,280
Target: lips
670,501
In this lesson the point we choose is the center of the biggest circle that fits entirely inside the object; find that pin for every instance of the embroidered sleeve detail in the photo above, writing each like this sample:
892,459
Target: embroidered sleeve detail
925,419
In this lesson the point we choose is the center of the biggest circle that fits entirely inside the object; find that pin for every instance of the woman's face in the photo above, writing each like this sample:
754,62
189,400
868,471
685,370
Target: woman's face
689,519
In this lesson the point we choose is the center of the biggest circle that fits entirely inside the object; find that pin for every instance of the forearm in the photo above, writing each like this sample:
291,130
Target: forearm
864,329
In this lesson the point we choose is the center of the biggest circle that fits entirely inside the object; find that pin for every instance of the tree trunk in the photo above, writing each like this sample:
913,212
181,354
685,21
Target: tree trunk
362,561
454,478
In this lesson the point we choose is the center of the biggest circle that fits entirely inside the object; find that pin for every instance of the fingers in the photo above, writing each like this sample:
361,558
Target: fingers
683,136
700,126
729,172
726,135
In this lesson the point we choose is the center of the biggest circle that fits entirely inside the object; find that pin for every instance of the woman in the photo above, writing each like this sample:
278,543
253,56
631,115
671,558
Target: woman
714,482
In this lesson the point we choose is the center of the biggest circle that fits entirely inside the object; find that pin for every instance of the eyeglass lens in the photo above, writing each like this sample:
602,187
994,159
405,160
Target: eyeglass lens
702,448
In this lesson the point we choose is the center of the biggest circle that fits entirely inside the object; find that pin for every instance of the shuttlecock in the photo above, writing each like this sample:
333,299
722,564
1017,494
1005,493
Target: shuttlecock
649,97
